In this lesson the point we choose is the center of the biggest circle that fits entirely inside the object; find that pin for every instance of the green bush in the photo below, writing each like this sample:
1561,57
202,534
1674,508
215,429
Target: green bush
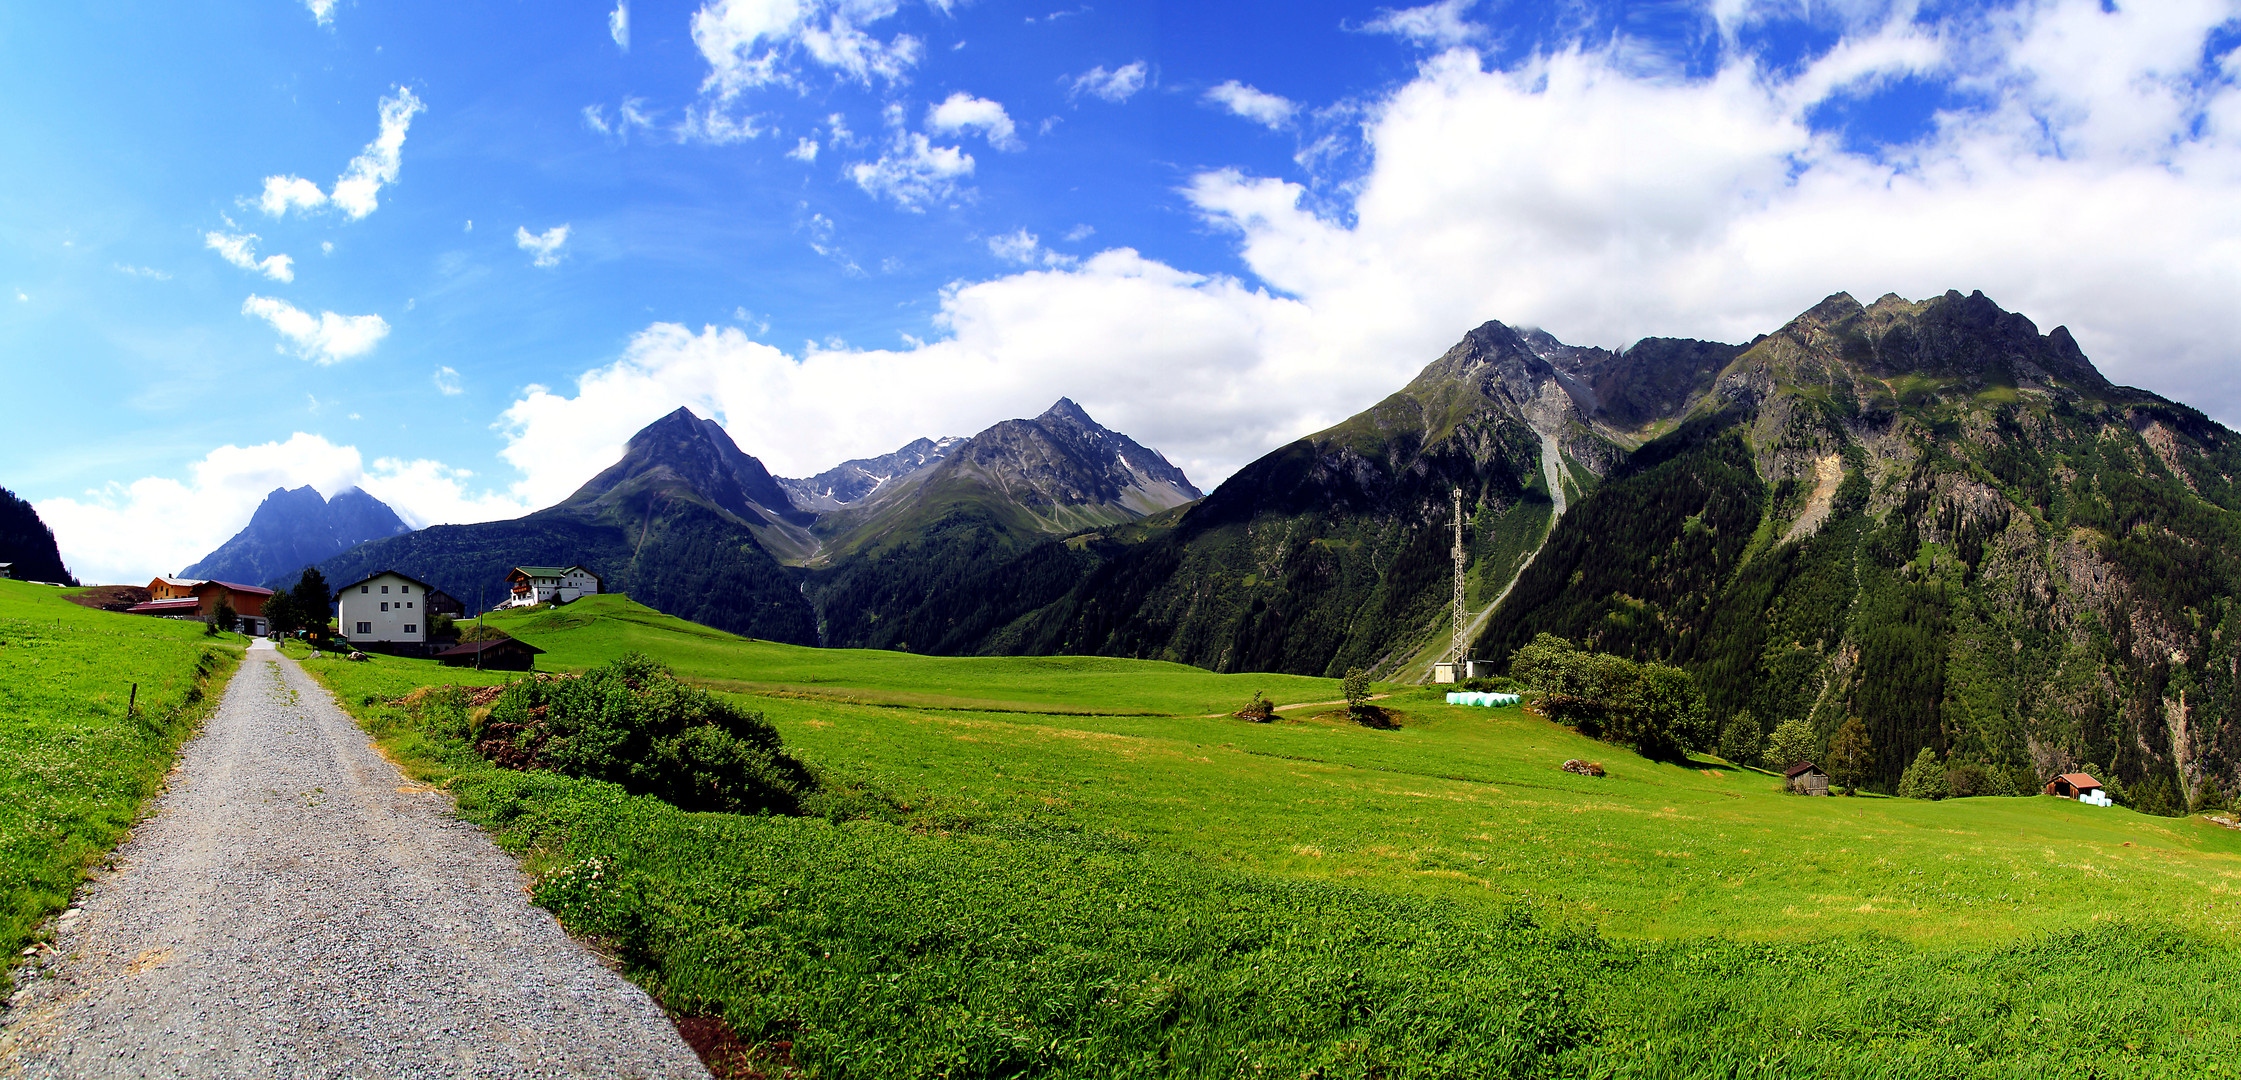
631,723
1655,708
1499,684
1260,710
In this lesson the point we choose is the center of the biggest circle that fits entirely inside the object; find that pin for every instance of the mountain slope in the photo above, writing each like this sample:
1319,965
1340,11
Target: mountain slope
295,529
985,500
1332,552
674,523
1933,517
26,542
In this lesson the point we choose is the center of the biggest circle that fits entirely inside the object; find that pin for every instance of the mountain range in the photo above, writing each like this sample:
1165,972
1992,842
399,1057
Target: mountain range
291,530
1926,514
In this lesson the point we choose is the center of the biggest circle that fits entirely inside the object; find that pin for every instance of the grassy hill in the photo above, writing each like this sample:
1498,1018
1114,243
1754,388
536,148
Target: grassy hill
74,767
1058,868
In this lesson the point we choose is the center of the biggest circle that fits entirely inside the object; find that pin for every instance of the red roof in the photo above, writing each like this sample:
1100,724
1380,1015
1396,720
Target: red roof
1800,768
164,607
231,587
2079,780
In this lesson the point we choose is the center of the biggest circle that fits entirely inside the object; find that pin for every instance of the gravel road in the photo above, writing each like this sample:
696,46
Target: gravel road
296,908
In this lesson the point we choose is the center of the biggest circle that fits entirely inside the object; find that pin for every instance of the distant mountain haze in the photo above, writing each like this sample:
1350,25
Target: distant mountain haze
291,530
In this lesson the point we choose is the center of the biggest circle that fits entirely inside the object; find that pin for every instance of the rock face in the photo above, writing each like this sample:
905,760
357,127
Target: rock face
850,482
26,542
295,529
1931,516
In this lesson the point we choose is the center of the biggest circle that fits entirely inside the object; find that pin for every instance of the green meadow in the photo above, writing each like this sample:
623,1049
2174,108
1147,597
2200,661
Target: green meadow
1064,867
75,766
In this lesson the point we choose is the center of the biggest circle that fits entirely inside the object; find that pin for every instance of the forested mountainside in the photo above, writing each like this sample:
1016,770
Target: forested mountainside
26,542
979,504
1933,517
295,529
1332,552
674,524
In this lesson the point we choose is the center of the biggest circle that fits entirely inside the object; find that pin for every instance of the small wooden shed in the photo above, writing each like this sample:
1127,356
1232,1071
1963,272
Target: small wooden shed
2076,785
1806,778
495,654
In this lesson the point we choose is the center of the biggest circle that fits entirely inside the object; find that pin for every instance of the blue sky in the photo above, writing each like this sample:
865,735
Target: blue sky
456,253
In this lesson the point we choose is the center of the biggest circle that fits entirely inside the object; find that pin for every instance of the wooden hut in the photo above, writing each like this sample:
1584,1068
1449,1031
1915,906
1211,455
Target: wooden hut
2079,786
1806,778
494,654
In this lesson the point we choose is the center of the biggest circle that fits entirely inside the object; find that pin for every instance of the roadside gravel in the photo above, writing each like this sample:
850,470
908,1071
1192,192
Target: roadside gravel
296,908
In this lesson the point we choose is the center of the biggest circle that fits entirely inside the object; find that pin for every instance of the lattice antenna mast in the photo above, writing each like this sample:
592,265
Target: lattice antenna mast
1462,557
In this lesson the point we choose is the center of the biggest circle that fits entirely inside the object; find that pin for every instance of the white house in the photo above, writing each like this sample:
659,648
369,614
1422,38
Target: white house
387,608
550,585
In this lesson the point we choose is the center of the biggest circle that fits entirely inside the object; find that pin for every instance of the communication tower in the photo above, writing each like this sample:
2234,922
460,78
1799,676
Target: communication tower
1462,557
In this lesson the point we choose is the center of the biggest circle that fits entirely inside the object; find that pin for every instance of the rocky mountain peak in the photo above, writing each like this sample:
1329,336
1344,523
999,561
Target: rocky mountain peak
853,481
295,528
685,455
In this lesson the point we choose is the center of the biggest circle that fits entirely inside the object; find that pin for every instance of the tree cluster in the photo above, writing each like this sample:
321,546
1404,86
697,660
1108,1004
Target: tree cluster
1655,708
304,607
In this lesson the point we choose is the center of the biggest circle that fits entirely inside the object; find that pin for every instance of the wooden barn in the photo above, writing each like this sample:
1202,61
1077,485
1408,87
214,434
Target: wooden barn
2079,786
1806,778
496,654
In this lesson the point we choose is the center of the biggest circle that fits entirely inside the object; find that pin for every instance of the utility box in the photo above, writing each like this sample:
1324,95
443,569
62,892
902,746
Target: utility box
1445,672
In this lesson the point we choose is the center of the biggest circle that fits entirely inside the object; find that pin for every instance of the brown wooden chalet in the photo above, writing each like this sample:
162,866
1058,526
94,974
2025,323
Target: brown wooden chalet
2071,785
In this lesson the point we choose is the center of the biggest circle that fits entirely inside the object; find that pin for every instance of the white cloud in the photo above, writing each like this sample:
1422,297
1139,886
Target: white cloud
753,43
447,382
357,190
1570,192
240,249
1441,24
284,192
914,172
1115,86
628,115
1018,247
618,24
130,532
962,112
322,11
712,124
142,272
326,337
1079,233
805,150
545,246
1266,109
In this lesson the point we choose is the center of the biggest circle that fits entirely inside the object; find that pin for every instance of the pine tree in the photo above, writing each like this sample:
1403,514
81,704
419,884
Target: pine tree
1925,779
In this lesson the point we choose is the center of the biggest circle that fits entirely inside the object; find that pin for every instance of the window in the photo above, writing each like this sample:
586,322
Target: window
365,588
385,605
408,603
365,628
411,628
404,588
385,590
